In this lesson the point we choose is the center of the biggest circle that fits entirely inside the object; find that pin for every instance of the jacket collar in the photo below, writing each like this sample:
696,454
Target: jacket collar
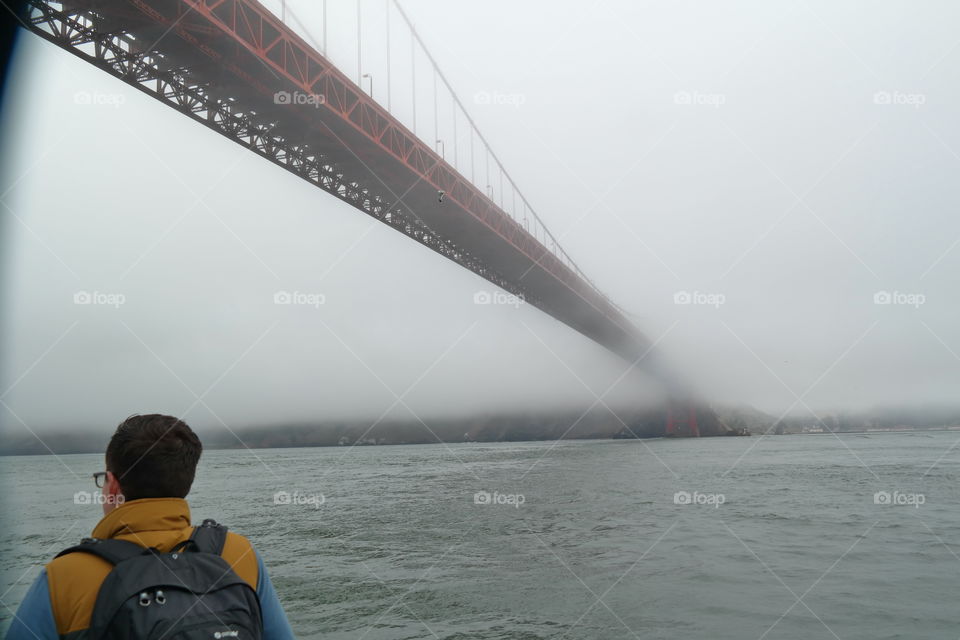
147,514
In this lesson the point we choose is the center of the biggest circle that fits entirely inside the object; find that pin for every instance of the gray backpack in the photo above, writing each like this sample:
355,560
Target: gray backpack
187,594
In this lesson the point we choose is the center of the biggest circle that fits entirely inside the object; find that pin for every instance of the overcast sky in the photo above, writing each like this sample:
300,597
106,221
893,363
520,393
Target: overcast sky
780,162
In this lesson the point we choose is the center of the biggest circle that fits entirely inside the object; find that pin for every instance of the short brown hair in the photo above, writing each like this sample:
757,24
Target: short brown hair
154,456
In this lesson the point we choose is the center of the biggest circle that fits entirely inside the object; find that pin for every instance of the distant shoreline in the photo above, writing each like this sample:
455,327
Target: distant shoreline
218,445
856,431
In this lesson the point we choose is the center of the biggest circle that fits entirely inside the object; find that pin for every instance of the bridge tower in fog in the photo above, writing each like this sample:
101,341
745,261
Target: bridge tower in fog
682,422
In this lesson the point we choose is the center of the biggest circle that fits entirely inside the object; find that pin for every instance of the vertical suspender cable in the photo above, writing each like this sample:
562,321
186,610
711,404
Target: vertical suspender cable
501,184
489,188
359,48
413,75
388,53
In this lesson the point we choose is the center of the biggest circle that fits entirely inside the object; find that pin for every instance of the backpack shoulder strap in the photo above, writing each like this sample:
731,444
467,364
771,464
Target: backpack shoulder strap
209,537
113,551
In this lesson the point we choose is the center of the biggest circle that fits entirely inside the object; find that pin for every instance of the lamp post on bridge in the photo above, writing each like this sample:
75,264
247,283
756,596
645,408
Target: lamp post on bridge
443,149
369,77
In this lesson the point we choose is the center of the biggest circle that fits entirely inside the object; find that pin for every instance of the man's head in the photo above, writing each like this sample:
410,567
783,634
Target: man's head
152,456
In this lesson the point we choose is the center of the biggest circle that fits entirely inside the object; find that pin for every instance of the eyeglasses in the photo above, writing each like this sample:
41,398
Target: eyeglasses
100,479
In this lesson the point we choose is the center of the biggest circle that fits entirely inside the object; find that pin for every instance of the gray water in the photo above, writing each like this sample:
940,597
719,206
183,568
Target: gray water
599,548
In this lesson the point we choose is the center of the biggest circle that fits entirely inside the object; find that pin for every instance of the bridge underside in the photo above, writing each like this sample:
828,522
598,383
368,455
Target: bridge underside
222,62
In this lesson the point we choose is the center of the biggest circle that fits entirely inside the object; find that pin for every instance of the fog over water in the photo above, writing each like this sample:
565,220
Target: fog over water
781,163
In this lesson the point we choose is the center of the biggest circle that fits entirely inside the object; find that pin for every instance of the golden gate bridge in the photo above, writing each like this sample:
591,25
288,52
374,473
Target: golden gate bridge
247,73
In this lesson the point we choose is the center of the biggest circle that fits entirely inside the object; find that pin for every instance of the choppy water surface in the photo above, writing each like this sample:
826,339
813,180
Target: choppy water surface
782,537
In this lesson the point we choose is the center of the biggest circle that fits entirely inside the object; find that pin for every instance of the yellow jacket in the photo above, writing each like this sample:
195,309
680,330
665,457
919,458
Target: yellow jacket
74,579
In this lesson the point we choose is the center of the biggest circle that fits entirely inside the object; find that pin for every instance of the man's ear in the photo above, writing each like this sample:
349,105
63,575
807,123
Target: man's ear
112,493
112,486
